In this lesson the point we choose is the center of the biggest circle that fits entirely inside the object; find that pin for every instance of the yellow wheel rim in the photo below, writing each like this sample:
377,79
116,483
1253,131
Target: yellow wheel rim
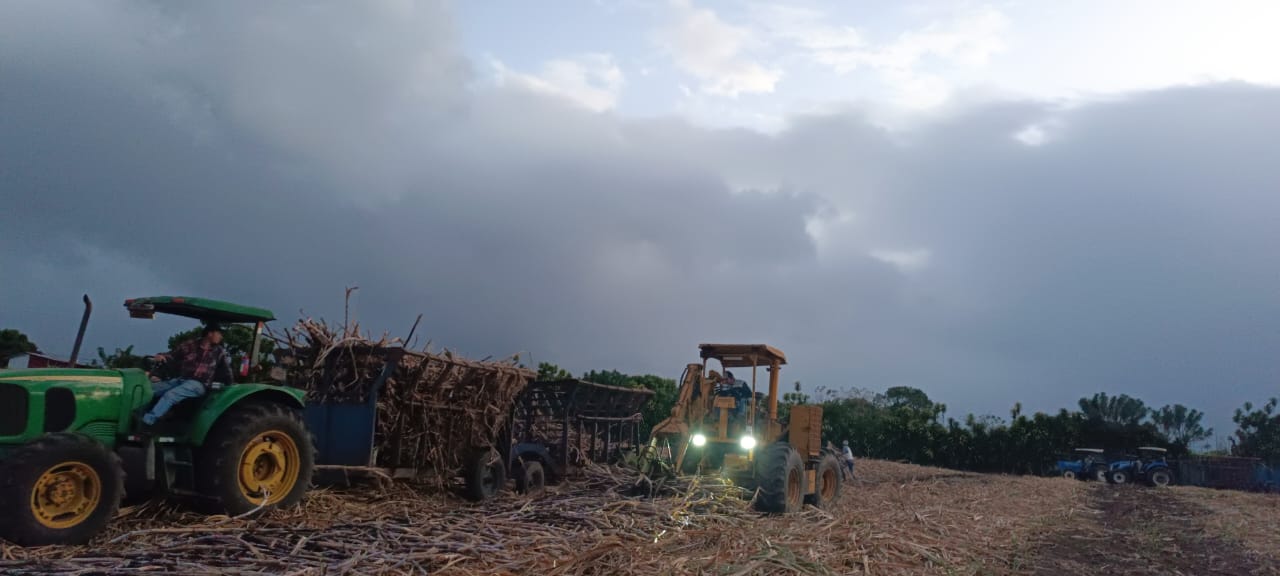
829,482
66,495
269,467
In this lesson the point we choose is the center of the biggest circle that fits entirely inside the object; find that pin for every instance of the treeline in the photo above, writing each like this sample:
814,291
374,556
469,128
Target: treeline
904,424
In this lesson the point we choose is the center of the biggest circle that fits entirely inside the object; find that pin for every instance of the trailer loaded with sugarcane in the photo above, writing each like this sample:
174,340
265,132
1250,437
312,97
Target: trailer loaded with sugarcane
379,409
382,410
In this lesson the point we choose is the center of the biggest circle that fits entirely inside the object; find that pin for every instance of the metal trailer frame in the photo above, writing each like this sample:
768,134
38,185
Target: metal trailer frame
564,422
1229,473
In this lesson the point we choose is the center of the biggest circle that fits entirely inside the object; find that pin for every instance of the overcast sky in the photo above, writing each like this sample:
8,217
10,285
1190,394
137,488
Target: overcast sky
1003,202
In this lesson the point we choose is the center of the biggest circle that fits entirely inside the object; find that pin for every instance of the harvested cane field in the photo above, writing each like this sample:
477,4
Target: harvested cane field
894,519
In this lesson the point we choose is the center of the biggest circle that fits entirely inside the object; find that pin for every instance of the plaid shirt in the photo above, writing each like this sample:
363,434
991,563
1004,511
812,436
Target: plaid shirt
199,361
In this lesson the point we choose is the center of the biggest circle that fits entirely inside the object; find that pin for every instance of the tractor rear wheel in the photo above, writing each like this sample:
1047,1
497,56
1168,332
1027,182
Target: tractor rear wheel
60,489
1069,474
1160,477
781,479
530,478
1118,477
827,483
485,475
257,455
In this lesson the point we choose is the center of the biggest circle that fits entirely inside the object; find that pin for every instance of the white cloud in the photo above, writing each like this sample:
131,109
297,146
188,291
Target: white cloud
830,45
963,40
711,50
904,260
1032,135
592,81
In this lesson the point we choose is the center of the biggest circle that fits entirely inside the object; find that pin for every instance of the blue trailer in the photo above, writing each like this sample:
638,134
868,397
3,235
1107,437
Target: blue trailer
344,428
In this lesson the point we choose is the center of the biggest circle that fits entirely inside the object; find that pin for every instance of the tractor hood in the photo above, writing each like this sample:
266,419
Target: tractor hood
60,375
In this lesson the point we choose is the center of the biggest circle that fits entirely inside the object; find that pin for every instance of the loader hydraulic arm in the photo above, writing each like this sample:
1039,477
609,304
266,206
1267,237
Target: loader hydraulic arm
690,406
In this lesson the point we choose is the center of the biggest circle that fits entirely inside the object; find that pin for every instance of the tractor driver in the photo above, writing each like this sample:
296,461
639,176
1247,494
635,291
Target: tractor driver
199,361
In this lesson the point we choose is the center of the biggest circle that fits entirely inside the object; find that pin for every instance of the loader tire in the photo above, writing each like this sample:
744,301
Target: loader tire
827,481
781,480
258,455
485,475
60,489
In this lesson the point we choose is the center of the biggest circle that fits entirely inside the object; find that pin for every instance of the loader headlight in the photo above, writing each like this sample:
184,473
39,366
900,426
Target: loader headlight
747,442
699,440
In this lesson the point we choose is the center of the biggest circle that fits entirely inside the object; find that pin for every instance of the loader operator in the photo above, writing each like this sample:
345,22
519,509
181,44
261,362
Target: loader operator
740,392
199,361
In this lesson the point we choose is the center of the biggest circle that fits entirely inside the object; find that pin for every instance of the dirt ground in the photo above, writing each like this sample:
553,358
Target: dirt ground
892,519
1139,530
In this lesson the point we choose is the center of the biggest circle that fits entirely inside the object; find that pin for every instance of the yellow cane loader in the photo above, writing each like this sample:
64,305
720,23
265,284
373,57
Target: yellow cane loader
720,424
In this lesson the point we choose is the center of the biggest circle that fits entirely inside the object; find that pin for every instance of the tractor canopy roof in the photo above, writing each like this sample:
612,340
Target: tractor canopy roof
1152,449
1090,450
743,355
202,309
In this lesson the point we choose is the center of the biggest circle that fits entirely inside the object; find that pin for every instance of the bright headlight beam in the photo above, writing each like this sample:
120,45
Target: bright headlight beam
748,442
699,440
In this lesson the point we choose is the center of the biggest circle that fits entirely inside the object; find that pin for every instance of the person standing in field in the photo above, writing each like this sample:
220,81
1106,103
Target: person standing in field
848,458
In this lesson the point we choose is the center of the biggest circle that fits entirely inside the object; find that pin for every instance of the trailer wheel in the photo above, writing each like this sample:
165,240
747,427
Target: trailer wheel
827,482
781,479
257,455
485,475
1069,474
1160,477
60,489
531,480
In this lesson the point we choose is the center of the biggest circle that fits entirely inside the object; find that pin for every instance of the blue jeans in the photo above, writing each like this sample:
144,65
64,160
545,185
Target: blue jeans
171,392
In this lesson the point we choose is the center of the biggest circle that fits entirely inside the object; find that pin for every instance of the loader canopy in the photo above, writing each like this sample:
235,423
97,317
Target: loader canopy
743,355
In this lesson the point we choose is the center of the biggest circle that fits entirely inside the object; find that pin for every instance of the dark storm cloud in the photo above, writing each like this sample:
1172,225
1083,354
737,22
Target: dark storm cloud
275,155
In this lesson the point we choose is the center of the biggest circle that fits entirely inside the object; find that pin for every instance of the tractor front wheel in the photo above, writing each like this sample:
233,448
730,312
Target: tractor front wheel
781,480
258,455
1118,477
1069,474
1160,477
60,489
1099,473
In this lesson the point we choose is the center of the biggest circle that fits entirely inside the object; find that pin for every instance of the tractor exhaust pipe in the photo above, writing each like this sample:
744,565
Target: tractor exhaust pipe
84,323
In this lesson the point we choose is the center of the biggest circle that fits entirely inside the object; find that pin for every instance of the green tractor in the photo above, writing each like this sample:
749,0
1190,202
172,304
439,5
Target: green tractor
71,447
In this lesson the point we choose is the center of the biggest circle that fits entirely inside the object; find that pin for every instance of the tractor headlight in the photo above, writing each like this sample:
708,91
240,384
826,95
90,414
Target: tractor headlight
699,440
748,442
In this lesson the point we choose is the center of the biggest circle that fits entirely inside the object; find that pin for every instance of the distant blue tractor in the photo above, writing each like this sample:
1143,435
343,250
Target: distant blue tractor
1148,466
1090,464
